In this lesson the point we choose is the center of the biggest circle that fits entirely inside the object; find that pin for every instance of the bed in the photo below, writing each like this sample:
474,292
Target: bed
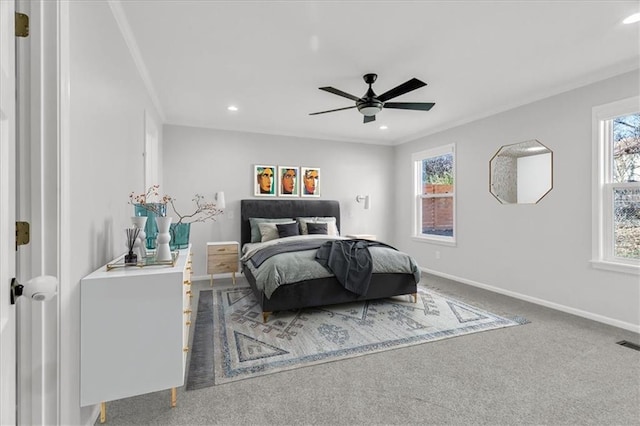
313,291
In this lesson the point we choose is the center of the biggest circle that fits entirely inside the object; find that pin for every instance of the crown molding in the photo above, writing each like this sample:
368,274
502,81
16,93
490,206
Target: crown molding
603,74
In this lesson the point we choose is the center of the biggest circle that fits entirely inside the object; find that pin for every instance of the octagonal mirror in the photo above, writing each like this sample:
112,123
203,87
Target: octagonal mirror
521,173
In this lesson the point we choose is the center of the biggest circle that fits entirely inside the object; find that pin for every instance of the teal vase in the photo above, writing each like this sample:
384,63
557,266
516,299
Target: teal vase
151,211
179,235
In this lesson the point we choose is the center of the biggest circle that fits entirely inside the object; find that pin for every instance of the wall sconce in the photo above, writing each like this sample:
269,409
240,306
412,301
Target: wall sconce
366,199
220,200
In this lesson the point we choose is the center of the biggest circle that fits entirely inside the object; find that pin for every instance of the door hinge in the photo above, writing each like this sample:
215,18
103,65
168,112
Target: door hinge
22,234
22,25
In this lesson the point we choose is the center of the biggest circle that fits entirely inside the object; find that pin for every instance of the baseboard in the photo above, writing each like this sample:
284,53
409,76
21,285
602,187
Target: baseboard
94,417
578,312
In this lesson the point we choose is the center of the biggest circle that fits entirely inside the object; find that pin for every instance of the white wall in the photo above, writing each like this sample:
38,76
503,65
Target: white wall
538,251
108,100
206,161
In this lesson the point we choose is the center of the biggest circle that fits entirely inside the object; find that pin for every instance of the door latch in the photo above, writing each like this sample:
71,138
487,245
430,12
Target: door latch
16,290
39,289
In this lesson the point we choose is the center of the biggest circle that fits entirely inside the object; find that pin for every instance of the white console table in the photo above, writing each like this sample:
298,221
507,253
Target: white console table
134,331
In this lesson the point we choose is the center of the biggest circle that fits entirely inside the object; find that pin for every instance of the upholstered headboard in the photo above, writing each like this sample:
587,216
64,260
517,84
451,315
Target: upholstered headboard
284,208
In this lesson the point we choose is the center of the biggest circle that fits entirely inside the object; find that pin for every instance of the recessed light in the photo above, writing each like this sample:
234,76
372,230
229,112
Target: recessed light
383,127
232,108
632,19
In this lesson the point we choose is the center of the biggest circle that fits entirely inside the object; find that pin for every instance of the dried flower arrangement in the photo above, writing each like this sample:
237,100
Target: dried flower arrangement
150,200
205,210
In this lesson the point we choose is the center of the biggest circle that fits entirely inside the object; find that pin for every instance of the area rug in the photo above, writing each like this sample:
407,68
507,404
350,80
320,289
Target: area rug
231,342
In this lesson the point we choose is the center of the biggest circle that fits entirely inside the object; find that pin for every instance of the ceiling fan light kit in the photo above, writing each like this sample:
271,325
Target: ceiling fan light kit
369,108
371,104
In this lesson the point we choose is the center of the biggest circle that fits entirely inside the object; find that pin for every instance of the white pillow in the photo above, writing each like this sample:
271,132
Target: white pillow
332,228
269,231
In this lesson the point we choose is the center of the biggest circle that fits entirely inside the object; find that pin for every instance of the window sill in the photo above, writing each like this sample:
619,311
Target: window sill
616,267
434,240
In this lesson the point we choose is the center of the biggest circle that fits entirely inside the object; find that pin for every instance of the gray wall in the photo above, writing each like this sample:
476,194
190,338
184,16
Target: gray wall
538,252
206,161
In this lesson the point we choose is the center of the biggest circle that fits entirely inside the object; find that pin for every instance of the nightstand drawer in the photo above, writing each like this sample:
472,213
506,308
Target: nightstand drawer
220,263
222,249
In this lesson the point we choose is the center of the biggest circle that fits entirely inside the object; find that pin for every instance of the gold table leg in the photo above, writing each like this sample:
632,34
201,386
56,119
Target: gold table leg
211,280
174,398
233,276
103,412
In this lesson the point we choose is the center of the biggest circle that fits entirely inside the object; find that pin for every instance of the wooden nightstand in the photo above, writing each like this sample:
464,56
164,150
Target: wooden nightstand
362,236
222,257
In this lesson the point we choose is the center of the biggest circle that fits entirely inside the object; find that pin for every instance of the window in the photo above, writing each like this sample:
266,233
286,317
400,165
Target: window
616,186
434,172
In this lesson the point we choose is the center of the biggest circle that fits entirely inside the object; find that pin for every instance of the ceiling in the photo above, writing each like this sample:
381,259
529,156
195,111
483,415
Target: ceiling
269,58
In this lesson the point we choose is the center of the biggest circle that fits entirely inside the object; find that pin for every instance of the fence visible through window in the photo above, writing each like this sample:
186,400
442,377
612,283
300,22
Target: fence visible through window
437,213
436,193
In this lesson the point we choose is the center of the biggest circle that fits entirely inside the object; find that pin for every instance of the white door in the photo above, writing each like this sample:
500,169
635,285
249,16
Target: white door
7,214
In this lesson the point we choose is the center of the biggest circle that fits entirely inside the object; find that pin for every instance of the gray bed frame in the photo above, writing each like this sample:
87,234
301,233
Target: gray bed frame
316,292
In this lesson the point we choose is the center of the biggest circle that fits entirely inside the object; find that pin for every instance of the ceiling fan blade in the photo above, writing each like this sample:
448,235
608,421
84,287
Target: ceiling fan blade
331,110
339,93
419,106
369,118
408,86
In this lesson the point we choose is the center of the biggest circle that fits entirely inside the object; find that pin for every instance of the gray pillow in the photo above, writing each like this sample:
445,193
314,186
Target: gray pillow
317,228
256,236
287,229
332,229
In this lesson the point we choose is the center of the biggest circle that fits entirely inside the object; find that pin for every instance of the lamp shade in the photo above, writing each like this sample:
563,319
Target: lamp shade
220,198
366,199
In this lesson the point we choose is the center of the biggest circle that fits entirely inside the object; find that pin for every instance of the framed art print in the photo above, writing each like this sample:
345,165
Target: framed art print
310,181
264,180
288,181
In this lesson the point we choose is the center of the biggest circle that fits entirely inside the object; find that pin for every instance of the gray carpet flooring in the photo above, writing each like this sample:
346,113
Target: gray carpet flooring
559,369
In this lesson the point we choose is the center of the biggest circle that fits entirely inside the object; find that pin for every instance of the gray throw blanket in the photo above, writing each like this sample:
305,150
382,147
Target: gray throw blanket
350,261
267,252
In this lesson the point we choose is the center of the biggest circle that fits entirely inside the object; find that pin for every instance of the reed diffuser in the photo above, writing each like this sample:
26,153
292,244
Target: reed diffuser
132,235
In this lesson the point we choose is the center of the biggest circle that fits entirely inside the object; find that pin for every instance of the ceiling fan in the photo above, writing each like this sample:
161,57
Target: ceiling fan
371,104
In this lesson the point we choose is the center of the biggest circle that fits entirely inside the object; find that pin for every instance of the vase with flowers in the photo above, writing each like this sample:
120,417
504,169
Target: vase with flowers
204,211
151,205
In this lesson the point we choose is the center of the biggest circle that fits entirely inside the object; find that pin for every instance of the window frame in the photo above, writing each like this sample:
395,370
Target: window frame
417,196
603,187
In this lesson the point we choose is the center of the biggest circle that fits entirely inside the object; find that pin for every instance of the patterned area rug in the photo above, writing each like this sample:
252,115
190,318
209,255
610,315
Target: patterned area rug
232,343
